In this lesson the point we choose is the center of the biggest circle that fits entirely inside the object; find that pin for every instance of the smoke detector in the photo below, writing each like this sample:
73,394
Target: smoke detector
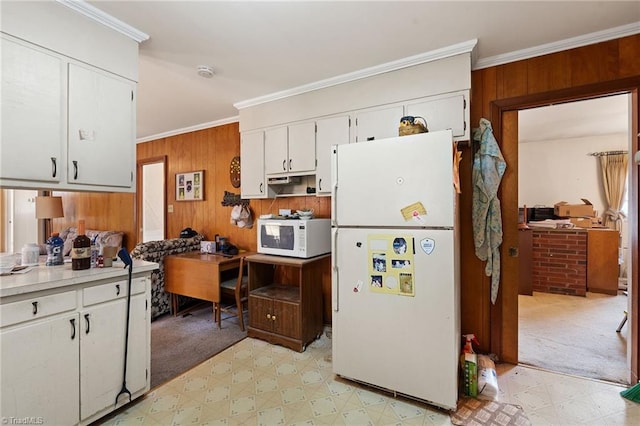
205,71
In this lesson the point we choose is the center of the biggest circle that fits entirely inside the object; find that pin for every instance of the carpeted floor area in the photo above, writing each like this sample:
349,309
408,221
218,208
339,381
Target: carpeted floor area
574,335
182,342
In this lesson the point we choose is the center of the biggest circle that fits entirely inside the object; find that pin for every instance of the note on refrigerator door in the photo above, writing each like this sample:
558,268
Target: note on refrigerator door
391,264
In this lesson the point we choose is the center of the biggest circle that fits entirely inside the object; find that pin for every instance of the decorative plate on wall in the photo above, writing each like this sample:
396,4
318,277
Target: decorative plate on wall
234,172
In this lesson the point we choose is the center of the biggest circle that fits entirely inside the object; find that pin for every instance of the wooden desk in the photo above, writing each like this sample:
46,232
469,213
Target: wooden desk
286,313
197,275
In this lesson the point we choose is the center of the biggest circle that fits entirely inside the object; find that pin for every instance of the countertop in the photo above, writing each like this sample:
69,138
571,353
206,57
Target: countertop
43,277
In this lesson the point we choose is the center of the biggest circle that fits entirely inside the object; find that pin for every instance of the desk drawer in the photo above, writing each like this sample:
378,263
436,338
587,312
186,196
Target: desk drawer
36,308
115,290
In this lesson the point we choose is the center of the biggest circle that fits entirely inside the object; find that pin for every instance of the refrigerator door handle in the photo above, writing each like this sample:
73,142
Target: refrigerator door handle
334,180
335,285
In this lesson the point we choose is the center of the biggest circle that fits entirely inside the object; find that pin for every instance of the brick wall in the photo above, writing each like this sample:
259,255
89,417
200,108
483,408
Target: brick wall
559,260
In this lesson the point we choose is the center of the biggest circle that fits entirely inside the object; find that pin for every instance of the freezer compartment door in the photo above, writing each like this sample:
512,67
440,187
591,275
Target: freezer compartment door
403,181
402,334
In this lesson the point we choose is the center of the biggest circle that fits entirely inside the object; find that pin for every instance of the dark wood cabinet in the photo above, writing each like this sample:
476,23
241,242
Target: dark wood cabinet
602,261
525,253
286,313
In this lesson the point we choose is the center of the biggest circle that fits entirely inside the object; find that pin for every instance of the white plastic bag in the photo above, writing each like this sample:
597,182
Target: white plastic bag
487,379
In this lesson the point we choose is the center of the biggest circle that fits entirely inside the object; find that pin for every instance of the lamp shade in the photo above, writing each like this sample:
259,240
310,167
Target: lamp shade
48,207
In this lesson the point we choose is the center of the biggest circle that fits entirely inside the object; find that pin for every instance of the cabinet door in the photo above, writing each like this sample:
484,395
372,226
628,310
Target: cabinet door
331,131
101,128
379,123
442,113
302,147
260,312
275,151
32,113
40,367
286,319
252,180
102,342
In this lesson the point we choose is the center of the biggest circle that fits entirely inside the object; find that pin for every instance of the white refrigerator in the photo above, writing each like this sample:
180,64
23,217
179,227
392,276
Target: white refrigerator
395,266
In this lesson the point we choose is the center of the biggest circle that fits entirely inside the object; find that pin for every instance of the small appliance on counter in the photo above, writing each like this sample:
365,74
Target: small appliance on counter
302,238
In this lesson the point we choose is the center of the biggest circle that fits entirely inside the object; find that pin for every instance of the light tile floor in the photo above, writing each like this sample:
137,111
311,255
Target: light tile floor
255,383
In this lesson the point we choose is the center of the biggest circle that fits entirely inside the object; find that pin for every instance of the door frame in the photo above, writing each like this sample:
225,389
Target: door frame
139,186
504,116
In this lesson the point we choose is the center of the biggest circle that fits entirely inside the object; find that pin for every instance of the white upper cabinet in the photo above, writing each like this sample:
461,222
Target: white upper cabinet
68,104
442,113
101,128
378,123
276,157
331,131
290,149
302,147
32,113
252,178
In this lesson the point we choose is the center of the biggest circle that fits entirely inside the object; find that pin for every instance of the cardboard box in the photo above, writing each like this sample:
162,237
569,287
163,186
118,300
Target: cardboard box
207,247
582,222
564,209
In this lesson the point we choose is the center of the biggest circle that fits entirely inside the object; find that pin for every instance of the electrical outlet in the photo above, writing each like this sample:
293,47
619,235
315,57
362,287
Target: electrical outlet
170,208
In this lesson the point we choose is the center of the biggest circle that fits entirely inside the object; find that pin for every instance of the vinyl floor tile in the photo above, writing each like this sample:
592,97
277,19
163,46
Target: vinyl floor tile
255,383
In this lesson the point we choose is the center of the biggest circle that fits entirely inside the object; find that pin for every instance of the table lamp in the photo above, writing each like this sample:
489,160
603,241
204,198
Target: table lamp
48,208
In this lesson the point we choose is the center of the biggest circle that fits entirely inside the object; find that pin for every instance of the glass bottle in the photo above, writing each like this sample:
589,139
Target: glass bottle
81,252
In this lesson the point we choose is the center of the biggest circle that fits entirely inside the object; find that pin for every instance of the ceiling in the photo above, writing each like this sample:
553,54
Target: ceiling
259,48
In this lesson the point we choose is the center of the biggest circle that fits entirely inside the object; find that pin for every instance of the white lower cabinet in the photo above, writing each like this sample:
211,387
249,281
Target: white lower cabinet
67,368
40,368
102,344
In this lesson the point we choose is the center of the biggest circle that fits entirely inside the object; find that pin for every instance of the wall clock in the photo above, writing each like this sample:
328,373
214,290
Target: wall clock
234,172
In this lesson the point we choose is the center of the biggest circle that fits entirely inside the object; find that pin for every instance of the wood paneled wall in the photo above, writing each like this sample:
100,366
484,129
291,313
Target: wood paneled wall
212,150
555,76
496,94
103,211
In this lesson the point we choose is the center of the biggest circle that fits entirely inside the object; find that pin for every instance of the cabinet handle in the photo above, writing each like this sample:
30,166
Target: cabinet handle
261,187
117,289
73,328
273,317
320,184
54,167
86,317
35,307
75,169
284,165
290,164
268,316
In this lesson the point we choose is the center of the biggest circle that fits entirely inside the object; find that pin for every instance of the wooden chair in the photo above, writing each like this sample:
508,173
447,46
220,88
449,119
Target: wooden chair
237,288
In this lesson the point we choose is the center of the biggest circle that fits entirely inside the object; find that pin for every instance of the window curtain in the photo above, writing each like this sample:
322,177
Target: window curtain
614,180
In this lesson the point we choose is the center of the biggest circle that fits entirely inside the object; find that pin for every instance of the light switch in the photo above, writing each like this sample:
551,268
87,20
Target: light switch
170,208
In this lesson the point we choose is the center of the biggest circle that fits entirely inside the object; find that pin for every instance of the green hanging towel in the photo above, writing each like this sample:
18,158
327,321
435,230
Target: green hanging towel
488,169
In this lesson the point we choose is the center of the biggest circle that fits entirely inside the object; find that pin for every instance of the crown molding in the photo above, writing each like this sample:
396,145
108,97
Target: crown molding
434,55
97,15
558,46
193,128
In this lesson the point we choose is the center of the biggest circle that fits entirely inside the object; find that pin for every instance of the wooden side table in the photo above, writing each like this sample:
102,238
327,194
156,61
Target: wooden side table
289,313
197,275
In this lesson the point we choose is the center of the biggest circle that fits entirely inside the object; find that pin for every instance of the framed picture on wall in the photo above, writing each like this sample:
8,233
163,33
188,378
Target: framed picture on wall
190,186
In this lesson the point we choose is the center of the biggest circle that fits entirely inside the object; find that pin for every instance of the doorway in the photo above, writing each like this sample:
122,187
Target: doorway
19,223
151,201
563,332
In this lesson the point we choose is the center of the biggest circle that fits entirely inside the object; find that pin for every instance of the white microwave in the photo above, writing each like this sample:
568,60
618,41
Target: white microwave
294,237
